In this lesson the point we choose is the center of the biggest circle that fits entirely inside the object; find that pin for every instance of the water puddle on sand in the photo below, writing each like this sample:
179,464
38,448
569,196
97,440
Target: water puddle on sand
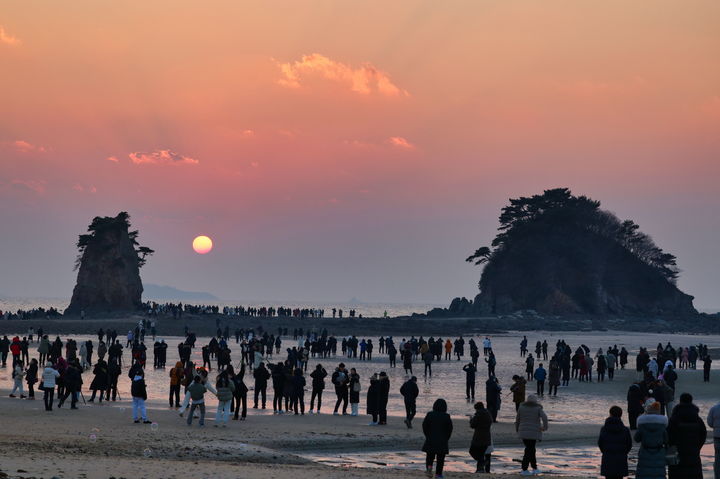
552,460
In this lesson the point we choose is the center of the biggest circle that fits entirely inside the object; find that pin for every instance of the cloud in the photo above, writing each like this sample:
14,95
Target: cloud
8,39
161,157
114,159
400,142
22,146
248,133
80,188
366,79
36,186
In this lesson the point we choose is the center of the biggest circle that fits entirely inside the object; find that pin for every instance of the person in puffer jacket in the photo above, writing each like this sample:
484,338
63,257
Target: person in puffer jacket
225,389
138,390
615,443
530,423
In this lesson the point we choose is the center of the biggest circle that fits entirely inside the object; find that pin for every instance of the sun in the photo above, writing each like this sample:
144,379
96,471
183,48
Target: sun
202,244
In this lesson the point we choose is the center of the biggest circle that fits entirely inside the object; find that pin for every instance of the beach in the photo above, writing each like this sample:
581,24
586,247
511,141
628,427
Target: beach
100,440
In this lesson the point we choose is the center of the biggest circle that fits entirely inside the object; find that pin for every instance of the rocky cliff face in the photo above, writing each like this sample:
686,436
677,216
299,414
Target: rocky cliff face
108,268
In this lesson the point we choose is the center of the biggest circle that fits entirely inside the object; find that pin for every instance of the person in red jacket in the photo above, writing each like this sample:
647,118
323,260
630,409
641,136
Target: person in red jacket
16,350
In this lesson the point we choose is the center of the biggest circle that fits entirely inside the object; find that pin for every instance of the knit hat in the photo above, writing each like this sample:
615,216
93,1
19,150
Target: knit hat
653,408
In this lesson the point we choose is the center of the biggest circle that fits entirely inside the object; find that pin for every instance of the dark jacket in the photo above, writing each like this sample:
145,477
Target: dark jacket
437,428
409,391
138,389
615,443
261,376
354,395
100,381
73,379
318,379
481,423
688,432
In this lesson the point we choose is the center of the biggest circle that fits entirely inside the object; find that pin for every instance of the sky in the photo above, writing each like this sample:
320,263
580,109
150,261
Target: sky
338,149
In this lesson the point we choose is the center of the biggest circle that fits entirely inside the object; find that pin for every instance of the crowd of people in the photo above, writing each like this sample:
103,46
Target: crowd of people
661,427
177,310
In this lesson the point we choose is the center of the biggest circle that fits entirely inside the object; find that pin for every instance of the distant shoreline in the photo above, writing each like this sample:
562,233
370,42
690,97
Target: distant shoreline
205,324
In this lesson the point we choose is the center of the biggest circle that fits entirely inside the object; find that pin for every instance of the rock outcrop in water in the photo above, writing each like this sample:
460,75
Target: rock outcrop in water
108,266
560,254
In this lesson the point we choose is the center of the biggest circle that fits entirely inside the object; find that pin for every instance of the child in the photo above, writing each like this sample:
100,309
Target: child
197,392
18,375
139,395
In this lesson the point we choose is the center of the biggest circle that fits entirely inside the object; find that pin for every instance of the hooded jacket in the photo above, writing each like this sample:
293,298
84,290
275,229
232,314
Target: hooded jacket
615,443
652,436
437,428
688,432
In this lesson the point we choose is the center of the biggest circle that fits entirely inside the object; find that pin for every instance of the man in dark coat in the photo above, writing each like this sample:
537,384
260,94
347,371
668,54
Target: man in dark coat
261,376
73,383
410,392
615,443
437,428
687,432
100,382
492,396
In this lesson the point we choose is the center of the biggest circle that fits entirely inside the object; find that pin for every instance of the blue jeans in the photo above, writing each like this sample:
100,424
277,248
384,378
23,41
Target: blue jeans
139,407
716,465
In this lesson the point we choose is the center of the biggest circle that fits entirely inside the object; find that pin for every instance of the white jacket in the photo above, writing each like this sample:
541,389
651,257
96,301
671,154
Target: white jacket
48,377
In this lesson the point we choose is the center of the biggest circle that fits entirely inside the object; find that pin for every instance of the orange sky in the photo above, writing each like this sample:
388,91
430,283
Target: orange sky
337,149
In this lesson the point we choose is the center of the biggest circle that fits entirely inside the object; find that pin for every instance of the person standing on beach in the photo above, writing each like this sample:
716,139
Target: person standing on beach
278,381
687,432
481,422
31,377
615,443
409,391
138,391
530,422
354,392
318,386
518,390
437,429
653,438
197,392
493,396
469,381
529,366
713,420
554,377
297,399
707,363
523,346
540,375
49,378
341,381
427,358
635,399
176,377
225,390
261,376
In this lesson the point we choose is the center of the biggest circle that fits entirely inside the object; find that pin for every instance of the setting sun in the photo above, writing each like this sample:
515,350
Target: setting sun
202,244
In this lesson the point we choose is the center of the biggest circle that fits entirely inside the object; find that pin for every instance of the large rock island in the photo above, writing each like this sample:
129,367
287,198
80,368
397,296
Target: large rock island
560,254
108,266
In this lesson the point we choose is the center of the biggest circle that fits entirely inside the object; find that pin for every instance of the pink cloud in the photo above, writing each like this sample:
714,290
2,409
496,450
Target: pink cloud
248,133
114,159
22,146
36,186
8,39
400,142
161,157
366,79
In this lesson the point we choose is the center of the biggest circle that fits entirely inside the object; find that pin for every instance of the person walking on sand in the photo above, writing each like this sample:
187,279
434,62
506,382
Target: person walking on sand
437,429
635,399
530,422
138,391
615,443
49,378
687,432
518,390
481,422
197,392
354,392
318,386
713,420
653,438
409,391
